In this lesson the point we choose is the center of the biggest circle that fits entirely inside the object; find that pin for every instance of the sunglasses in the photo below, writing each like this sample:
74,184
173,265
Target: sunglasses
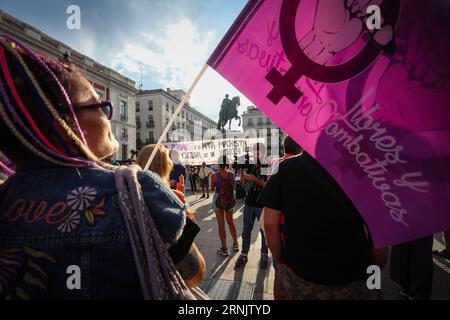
105,106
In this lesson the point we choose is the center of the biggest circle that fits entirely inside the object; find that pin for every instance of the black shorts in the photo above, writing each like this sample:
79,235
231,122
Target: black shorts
204,183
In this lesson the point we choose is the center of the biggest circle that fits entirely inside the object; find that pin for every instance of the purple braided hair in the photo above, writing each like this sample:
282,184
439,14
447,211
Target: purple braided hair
18,120
32,55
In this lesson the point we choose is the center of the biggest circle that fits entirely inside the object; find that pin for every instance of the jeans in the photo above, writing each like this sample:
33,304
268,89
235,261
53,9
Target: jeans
192,181
250,214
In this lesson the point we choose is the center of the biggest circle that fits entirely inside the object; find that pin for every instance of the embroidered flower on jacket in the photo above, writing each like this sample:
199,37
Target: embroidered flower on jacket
81,198
98,210
72,221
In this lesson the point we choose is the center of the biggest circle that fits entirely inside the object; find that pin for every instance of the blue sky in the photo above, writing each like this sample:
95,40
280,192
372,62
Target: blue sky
171,38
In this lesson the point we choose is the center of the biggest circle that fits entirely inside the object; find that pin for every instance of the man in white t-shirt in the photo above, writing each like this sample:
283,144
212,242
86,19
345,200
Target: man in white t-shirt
203,173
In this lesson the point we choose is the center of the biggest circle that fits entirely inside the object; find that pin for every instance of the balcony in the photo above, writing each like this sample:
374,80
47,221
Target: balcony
150,124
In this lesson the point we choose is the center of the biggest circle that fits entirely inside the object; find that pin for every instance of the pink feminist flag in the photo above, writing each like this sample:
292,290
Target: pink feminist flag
364,87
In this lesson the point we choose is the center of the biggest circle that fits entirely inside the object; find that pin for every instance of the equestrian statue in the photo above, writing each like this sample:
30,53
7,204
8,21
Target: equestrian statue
228,112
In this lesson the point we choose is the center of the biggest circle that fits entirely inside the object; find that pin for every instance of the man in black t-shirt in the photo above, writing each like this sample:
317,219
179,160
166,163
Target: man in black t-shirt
326,242
253,181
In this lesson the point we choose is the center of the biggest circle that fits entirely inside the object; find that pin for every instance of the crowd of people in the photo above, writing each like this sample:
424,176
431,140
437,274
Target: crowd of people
59,206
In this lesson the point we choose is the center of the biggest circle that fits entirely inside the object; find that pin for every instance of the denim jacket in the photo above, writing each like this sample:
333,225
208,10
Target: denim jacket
62,234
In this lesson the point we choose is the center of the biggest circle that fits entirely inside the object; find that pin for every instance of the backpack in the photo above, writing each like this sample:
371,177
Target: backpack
225,200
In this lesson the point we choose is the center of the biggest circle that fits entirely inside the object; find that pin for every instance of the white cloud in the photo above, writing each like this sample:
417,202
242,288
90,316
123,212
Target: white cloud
174,53
85,42
211,90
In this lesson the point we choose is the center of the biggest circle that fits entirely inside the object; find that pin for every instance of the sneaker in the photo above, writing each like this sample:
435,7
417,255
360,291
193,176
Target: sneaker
235,247
264,262
241,261
223,252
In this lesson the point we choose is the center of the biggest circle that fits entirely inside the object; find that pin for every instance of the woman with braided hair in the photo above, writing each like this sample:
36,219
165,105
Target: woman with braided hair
60,212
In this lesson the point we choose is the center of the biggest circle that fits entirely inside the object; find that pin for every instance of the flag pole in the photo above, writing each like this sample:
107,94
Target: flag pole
174,116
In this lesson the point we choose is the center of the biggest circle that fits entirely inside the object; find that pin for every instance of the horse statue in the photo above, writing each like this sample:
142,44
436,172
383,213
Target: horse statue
228,112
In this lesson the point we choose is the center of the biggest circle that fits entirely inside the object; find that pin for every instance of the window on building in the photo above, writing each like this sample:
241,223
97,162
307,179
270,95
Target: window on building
250,122
150,136
150,105
123,111
260,122
124,152
150,123
138,120
138,136
182,114
173,109
167,107
138,106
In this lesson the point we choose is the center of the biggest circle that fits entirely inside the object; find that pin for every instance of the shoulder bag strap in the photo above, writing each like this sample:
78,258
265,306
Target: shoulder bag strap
157,273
